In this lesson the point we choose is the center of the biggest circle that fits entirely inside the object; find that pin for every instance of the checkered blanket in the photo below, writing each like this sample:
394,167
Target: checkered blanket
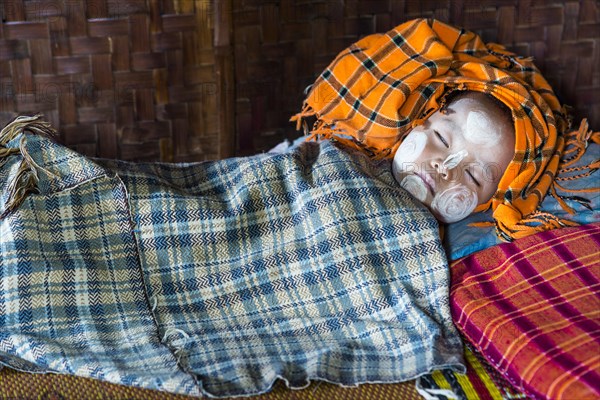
220,277
532,308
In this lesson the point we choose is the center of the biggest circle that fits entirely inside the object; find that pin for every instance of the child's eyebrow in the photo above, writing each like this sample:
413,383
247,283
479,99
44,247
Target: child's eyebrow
448,110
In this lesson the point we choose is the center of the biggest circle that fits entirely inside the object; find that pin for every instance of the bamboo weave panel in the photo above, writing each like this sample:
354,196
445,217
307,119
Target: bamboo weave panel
282,46
129,79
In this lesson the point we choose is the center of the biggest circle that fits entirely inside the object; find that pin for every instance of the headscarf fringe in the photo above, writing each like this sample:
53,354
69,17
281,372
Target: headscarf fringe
589,169
482,224
561,201
584,190
576,142
26,178
535,222
300,118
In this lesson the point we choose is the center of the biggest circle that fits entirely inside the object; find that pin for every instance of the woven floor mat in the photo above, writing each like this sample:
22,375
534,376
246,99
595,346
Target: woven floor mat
22,386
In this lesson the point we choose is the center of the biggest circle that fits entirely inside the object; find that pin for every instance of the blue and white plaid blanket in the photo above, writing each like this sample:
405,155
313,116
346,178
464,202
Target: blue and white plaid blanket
218,278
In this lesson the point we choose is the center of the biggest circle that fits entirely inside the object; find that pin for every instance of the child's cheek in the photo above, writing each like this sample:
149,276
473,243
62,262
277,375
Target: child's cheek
455,203
414,186
404,165
411,148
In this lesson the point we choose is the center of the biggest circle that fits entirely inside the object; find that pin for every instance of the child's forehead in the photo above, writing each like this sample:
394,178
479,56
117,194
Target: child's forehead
461,110
478,124
466,104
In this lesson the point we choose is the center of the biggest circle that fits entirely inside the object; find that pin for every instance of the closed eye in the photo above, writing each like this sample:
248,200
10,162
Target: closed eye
473,178
441,138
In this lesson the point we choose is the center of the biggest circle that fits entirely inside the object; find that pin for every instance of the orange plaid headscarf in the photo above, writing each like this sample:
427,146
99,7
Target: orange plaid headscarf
379,88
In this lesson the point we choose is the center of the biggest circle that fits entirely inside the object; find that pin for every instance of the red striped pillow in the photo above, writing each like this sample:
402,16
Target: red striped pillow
532,308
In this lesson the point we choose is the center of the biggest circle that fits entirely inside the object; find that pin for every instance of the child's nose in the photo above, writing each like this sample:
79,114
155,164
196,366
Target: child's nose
440,168
447,168
444,171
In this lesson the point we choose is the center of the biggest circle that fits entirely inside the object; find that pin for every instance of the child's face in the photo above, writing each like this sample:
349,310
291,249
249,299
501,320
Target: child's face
454,161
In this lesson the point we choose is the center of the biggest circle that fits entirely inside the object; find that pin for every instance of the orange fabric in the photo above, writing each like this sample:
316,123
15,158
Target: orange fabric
379,88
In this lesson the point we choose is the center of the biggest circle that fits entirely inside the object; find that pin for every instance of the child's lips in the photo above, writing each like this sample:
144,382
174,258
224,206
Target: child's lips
429,182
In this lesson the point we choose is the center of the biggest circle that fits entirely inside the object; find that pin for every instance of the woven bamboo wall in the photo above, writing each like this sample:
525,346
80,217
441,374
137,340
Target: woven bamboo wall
282,46
191,80
129,79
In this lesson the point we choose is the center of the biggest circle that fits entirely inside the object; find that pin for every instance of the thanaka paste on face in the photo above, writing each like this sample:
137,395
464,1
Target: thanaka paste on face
454,159
414,185
408,151
411,148
480,130
454,203
451,205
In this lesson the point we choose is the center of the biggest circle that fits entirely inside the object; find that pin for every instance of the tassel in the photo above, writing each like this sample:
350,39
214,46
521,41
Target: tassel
34,124
560,200
583,190
534,223
590,169
482,224
582,201
306,112
577,142
24,182
5,153
26,178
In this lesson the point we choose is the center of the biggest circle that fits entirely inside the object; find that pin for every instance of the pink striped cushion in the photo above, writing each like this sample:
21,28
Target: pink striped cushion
532,308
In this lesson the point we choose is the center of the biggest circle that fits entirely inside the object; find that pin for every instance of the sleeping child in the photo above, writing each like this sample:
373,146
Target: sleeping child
506,135
321,263
454,161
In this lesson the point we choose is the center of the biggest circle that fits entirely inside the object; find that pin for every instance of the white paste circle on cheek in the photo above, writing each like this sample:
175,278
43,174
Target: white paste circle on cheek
414,186
480,130
454,204
411,148
408,151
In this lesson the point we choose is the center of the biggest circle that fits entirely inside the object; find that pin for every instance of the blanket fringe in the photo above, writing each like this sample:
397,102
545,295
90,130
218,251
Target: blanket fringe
26,178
